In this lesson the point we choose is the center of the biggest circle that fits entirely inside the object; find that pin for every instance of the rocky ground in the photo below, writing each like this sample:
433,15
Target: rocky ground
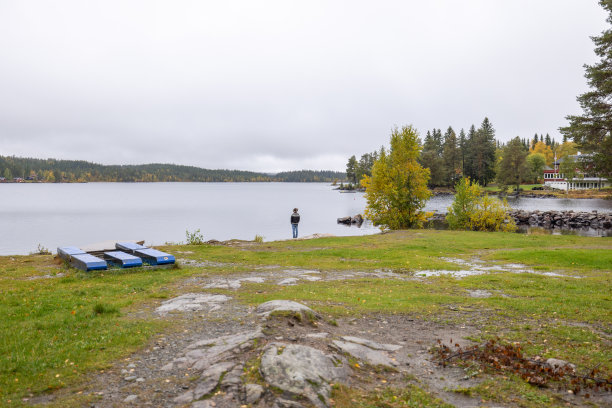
221,353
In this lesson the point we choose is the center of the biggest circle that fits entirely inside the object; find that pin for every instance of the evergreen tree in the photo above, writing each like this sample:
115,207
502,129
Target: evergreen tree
451,157
592,131
57,176
431,157
469,168
484,153
351,168
513,166
462,148
364,167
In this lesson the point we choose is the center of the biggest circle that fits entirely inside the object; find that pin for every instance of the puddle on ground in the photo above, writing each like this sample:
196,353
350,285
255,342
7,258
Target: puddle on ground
287,277
479,293
454,274
57,275
476,267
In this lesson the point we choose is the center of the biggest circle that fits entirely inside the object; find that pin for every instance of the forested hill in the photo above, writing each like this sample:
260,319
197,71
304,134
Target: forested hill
51,170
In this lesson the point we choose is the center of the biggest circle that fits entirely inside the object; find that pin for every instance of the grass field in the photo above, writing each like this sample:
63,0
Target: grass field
524,187
54,330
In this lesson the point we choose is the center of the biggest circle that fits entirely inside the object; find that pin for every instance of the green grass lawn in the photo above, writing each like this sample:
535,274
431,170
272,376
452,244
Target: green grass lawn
524,187
54,331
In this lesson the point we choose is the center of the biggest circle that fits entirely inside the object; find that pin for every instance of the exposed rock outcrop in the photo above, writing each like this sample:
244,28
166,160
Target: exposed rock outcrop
302,370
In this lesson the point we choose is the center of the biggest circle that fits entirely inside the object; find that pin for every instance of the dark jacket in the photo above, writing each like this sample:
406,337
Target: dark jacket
295,218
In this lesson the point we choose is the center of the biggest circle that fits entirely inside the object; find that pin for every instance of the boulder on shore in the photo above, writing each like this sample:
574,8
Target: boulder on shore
357,219
567,219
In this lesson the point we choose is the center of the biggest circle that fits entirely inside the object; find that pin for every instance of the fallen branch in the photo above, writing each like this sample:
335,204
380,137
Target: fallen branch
496,356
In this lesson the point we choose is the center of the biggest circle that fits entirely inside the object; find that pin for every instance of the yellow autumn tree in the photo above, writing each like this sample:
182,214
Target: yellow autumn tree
397,190
544,150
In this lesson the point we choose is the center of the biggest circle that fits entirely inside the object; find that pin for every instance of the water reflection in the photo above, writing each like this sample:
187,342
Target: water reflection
442,202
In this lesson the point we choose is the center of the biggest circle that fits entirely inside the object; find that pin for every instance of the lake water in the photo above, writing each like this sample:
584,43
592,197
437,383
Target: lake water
97,214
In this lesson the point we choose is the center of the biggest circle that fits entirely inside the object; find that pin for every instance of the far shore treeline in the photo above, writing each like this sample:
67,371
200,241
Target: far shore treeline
77,171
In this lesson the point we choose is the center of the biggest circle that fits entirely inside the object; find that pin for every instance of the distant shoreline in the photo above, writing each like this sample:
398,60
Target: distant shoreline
604,194
24,169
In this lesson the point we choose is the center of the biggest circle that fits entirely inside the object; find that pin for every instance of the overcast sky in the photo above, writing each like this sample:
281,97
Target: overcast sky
280,85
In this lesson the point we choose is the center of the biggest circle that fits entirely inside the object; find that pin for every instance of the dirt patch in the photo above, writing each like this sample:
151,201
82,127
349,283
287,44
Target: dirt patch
154,376
141,380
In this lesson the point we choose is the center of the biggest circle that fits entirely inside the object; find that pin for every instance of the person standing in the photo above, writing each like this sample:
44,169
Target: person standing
295,220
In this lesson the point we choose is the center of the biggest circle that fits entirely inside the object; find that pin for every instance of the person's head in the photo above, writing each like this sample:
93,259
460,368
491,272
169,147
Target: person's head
295,210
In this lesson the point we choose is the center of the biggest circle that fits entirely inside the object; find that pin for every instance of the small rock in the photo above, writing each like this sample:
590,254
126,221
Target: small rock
140,379
556,364
130,398
253,393
130,378
285,403
131,365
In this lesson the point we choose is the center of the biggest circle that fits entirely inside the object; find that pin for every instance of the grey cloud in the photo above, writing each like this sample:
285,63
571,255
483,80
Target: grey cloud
280,85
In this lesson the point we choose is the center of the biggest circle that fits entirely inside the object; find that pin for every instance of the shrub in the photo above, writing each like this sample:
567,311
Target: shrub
491,215
464,205
41,250
473,211
259,239
194,238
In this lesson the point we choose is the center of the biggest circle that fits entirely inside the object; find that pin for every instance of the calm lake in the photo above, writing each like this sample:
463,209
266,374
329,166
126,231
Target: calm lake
94,214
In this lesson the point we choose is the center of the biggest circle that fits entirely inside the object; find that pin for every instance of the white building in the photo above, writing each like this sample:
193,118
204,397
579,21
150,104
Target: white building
582,181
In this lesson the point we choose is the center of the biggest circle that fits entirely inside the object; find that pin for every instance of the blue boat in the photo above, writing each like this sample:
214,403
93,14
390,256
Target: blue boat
87,262
81,259
66,252
122,259
148,255
129,247
154,257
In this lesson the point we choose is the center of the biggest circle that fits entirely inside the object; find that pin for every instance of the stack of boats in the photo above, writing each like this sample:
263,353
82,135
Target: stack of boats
125,255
